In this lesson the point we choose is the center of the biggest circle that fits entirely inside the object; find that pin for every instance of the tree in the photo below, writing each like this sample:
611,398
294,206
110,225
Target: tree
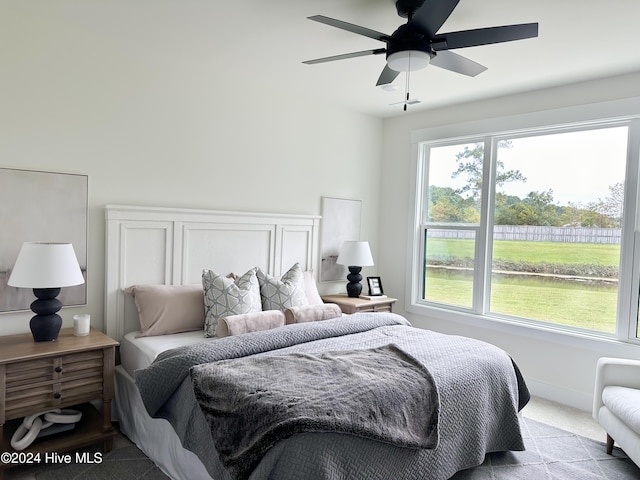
446,205
610,208
462,205
544,208
537,208
470,161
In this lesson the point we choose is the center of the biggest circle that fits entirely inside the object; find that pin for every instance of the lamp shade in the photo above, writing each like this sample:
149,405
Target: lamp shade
355,253
46,265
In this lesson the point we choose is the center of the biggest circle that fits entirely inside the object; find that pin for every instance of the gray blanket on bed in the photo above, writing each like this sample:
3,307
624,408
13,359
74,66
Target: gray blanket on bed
477,386
253,402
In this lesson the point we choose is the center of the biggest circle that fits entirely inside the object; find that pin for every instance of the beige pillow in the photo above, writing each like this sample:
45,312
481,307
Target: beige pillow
166,309
312,313
249,322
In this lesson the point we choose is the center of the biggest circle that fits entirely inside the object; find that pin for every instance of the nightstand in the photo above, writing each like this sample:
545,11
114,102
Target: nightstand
68,372
352,304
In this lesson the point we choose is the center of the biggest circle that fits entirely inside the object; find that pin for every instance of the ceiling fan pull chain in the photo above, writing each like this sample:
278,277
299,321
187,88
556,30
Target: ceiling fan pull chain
406,88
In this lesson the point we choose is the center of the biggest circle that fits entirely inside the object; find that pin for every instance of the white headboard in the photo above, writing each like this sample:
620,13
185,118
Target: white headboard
171,246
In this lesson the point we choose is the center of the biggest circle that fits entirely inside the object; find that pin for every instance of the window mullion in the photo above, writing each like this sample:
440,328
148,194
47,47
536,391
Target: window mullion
627,320
422,181
482,281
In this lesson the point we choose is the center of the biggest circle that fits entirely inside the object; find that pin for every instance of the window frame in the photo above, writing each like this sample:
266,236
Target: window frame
491,132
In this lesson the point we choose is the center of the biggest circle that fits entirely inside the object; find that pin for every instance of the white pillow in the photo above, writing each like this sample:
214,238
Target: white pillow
224,297
282,293
311,289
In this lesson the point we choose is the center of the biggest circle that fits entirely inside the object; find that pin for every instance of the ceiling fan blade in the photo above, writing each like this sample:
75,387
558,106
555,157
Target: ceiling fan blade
457,63
388,75
350,27
344,56
431,15
484,36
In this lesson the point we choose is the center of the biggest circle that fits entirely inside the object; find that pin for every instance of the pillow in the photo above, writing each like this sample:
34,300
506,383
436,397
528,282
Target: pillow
166,309
312,313
249,322
311,289
280,294
224,297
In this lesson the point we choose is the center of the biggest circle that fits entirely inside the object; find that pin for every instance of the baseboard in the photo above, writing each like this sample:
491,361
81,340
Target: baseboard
566,396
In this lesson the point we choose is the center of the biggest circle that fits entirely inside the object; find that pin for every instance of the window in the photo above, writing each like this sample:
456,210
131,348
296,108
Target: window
533,227
453,216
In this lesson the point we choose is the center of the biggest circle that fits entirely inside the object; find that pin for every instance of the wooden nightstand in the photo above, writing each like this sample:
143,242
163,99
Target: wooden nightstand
353,305
40,376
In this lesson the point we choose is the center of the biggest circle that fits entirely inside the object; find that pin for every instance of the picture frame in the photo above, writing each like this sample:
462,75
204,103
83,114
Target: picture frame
375,286
41,206
341,218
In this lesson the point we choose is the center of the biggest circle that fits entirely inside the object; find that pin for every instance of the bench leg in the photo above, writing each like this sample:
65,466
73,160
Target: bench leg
609,444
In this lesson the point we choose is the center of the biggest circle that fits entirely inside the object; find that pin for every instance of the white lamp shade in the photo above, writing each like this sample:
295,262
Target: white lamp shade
408,60
355,254
46,265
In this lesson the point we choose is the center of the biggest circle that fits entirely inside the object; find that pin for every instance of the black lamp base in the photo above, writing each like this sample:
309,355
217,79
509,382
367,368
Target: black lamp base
45,325
354,287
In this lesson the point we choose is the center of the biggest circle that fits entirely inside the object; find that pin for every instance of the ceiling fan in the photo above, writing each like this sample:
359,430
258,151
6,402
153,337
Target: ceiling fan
416,44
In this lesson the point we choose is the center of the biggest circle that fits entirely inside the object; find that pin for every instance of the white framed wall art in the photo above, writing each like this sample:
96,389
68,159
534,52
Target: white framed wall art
40,206
340,221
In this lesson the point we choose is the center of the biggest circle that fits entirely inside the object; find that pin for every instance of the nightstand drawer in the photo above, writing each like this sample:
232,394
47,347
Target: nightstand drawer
355,305
53,382
56,368
28,372
376,308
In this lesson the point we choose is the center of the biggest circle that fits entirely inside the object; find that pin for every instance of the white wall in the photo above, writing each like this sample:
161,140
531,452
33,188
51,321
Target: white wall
163,131
555,367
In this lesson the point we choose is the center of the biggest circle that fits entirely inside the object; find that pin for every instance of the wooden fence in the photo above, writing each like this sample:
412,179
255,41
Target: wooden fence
540,234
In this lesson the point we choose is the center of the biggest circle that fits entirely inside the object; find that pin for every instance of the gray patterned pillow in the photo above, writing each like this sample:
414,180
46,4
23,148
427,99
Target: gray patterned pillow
224,297
283,293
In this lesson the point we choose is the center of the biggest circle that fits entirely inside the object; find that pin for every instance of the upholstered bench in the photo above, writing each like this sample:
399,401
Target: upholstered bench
616,403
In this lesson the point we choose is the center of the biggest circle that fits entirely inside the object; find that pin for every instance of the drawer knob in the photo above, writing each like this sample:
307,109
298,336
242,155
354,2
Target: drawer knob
58,369
56,396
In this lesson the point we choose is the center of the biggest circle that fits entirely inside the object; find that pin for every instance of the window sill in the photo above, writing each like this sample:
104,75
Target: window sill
607,345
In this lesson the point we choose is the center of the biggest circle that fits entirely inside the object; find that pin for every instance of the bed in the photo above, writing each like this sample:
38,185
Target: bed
167,386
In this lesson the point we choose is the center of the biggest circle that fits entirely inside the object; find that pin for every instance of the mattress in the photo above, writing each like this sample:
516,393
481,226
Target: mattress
137,353
155,437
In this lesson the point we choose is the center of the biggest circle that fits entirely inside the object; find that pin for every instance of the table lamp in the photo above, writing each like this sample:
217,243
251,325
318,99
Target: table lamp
355,255
46,267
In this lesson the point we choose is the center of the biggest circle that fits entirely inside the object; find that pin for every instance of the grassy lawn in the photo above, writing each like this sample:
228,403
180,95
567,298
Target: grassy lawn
533,252
589,305
577,304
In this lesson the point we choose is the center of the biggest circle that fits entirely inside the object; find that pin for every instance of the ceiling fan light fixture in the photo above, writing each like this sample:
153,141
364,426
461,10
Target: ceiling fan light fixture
408,60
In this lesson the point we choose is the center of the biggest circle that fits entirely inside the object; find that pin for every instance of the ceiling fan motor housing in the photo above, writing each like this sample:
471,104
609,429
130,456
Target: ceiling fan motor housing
407,7
404,38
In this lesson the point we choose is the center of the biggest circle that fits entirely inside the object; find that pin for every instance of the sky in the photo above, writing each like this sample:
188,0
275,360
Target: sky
578,166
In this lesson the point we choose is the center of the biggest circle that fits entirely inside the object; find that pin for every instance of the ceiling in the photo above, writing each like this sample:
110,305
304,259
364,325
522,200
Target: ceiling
262,44
578,40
